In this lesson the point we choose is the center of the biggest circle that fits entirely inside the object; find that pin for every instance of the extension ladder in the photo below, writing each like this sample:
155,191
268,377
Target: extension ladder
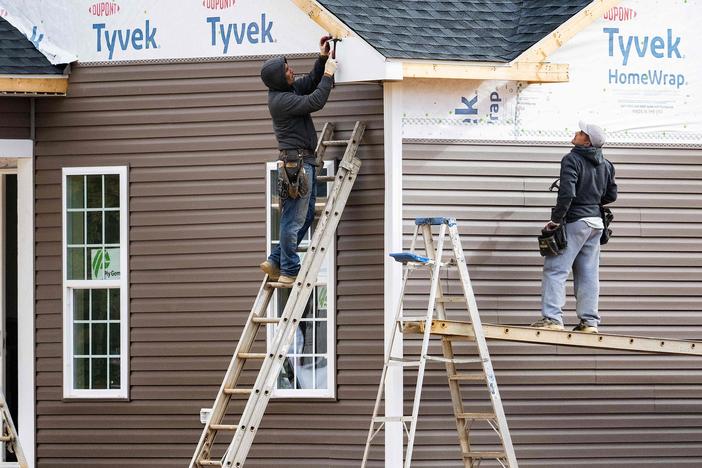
434,262
273,359
9,436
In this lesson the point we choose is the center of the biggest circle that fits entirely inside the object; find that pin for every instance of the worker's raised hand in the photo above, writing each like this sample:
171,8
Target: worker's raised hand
330,67
324,47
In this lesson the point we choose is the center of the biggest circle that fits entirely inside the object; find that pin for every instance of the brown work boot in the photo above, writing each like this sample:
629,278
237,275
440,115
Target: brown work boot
547,323
285,279
270,269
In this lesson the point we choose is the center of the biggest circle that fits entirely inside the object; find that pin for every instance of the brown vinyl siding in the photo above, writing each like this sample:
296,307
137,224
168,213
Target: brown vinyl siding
196,137
572,407
15,117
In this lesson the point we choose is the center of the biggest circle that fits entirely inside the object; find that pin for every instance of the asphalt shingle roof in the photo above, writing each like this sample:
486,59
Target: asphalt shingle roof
18,56
467,30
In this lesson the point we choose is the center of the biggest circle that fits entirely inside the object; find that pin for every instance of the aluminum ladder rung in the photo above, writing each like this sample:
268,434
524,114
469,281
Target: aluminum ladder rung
277,285
336,142
326,178
387,419
223,427
252,355
238,391
405,362
209,463
270,320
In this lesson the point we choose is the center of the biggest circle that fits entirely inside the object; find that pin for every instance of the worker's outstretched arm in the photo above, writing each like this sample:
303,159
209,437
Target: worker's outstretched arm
294,104
308,83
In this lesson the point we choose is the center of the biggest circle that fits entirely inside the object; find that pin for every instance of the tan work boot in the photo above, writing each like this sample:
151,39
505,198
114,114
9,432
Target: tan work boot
547,323
285,279
270,269
583,327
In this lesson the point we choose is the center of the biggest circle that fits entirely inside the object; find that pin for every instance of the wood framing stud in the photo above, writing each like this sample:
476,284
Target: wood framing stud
565,32
522,71
43,85
322,17
564,338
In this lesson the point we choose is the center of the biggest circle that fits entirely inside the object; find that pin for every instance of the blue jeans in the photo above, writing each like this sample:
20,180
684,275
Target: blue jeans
296,218
582,255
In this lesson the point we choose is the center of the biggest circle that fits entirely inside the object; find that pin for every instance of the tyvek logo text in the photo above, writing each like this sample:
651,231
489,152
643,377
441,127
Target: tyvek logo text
124,39
227,34
470,109
629,47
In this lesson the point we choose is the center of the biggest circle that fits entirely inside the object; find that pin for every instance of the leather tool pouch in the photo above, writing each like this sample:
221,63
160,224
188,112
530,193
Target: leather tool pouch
292,179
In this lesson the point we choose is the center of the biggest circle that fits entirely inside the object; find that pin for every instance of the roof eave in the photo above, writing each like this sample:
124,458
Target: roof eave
566,31
44,85
324,18
540,72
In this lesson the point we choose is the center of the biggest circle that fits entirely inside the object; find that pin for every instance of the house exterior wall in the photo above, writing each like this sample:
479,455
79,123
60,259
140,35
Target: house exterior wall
15,117
569,406
196,136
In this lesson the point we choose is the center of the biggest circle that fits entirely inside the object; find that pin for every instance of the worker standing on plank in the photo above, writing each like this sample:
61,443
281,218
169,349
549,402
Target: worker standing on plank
586,183
290,102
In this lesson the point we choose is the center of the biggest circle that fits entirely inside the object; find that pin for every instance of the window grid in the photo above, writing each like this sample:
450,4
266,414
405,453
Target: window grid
97,368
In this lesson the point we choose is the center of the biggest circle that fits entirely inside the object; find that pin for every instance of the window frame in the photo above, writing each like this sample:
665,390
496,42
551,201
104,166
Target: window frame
330,261
69,392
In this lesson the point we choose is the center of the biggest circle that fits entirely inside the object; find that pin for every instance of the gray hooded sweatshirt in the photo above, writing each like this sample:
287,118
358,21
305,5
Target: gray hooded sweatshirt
290,106
587,181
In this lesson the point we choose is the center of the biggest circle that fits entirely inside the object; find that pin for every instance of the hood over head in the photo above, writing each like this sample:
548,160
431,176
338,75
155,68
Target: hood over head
273,74
592,154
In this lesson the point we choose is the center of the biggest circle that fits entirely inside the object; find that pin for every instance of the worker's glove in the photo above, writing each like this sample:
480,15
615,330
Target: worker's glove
324,46
330,67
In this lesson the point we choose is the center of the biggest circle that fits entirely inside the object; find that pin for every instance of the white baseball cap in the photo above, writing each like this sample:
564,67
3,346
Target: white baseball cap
594,132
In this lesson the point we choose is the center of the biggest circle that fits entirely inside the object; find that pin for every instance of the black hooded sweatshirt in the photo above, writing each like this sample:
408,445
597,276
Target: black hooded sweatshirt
587,181
290,106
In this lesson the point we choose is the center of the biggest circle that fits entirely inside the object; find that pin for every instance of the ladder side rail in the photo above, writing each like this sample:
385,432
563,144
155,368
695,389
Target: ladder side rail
321,148
447,349
326,230
13,443
231,377
388,353
482,345
436,273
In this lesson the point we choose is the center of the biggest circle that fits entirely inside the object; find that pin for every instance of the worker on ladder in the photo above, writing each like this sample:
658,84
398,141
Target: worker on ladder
290,102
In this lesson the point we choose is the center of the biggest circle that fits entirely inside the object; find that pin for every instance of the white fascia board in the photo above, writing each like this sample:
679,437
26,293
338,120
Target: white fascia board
358,61
16,148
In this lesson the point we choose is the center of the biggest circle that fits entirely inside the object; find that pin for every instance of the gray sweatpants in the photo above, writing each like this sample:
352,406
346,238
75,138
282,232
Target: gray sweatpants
582,255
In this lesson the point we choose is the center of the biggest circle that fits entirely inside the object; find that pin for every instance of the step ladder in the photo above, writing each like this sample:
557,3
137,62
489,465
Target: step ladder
433,261
272,361
9,436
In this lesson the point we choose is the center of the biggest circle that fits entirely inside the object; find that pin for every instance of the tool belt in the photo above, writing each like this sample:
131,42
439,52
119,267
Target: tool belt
552,243
292,177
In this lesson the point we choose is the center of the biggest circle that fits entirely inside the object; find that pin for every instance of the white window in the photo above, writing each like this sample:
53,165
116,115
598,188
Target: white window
309,371
95,282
